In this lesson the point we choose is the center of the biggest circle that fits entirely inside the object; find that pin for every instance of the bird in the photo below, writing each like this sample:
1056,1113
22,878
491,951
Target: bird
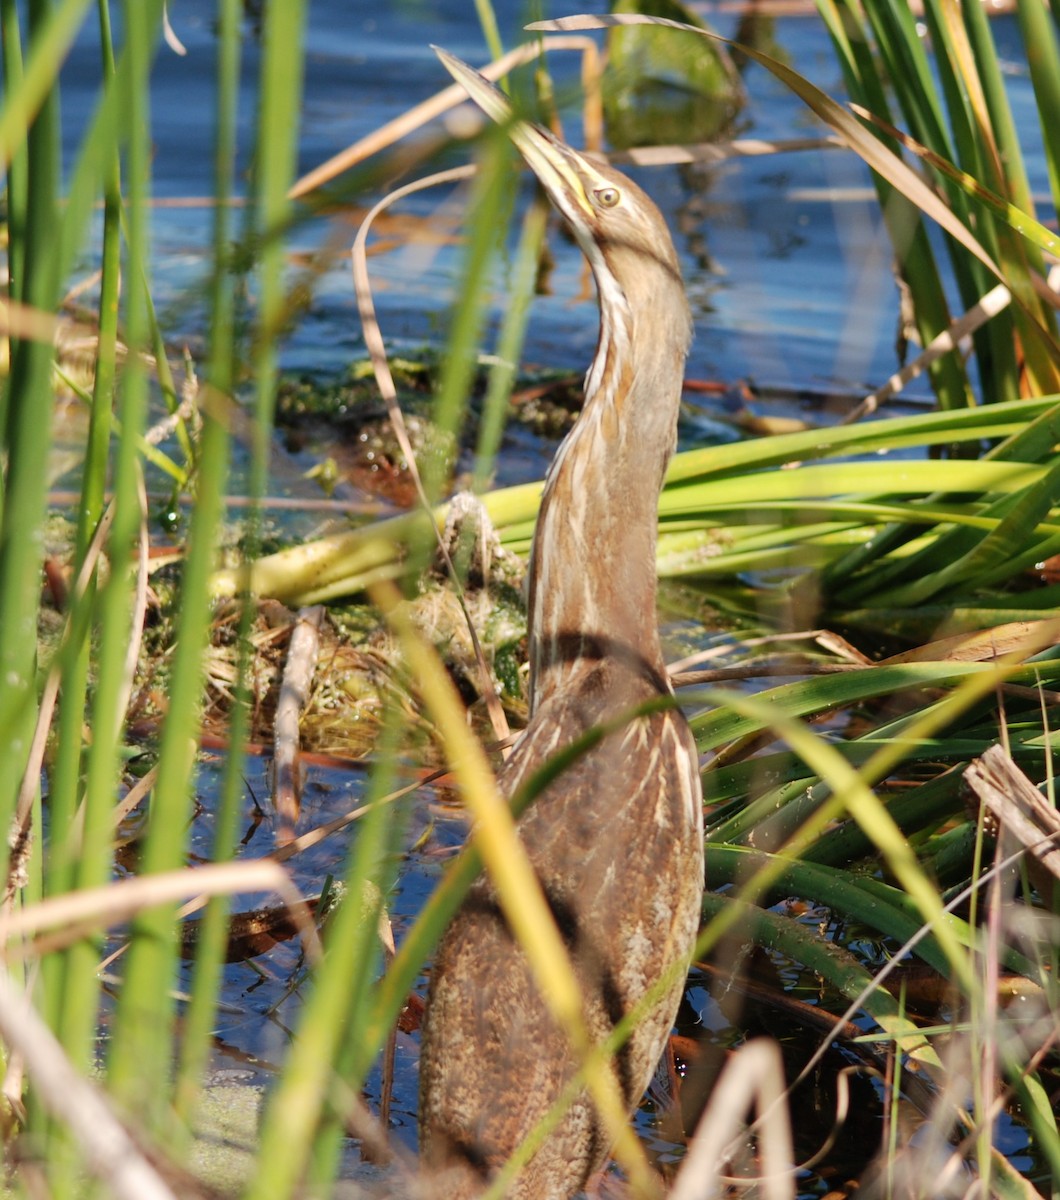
616,839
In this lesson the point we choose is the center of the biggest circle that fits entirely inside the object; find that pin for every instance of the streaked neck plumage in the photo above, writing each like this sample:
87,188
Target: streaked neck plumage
592,572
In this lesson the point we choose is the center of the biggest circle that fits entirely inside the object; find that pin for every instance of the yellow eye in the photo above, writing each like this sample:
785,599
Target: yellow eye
607,197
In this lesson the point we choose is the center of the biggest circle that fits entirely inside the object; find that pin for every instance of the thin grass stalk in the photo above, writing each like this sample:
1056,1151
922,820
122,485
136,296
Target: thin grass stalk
487,20
982,1010
49,38
1010,179
998,134
490,201
909,73
17,203
268,215
994,342
17,175
330,1021
71,992
212,476
893,1109
1043,58
280,102
510,341
64,784
26,439
172,797
65,780
141,1046
87,175
913,82
168,388
904,224
350,977
208,969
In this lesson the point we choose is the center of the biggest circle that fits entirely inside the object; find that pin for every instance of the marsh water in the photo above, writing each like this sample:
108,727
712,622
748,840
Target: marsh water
796,316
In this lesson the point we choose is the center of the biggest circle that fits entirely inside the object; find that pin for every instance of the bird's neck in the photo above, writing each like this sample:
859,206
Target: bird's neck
592,573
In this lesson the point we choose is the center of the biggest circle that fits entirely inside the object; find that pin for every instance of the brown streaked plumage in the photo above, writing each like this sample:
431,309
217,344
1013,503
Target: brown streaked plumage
617,840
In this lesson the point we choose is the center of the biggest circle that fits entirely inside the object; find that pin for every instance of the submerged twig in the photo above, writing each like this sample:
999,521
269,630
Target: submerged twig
1017,805
294,691
995,301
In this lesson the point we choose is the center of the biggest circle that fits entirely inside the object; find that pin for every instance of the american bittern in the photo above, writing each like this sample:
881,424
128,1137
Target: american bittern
616,840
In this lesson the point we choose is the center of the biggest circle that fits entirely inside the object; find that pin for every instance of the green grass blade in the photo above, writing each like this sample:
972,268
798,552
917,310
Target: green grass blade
821,694
1016,218
333,1008
52,31
213,472
1043,58
884,910
26,438
510,342
996,556
18,169
914,251
141,1046
840,968
72,992
492,195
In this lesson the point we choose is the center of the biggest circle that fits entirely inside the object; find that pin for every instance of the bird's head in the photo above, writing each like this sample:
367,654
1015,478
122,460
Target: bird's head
620,230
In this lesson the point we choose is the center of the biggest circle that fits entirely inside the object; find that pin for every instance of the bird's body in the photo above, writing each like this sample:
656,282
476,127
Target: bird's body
616,840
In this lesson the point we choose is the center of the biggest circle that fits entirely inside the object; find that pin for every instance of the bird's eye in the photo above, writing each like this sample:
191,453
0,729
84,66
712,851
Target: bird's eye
607,197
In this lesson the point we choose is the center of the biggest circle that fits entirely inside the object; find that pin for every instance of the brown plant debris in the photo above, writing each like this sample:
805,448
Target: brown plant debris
1021,811
302,653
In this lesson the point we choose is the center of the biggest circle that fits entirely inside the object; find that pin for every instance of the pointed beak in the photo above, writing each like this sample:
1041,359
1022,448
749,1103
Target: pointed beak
550,160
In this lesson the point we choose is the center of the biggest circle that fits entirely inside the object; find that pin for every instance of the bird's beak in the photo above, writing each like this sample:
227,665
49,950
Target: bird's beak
549,159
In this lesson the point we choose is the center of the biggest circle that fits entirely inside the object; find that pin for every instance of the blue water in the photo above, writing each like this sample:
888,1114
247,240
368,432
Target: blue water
794,289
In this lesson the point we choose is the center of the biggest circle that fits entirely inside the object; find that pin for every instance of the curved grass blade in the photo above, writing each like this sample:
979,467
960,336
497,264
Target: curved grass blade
882,909
838,966
348,562
824,693
1022,222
